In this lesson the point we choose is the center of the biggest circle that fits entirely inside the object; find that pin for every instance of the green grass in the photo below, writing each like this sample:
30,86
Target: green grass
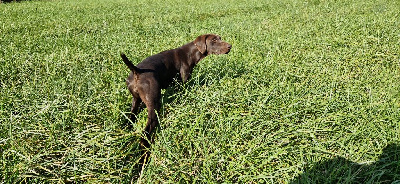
310,92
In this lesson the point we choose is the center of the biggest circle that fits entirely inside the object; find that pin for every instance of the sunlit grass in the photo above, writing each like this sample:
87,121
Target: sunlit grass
309,93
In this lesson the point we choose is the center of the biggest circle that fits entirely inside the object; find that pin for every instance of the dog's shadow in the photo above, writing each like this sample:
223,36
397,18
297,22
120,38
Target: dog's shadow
341,170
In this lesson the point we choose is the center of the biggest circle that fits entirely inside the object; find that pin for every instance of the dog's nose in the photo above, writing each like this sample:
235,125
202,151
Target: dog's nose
229,46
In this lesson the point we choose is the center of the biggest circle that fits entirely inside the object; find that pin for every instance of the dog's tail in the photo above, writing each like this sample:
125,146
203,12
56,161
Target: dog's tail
129,63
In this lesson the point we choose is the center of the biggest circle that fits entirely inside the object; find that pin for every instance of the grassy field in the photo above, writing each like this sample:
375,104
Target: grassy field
310,92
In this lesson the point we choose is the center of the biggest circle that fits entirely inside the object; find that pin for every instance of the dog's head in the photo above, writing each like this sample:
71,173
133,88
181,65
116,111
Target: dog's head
212,44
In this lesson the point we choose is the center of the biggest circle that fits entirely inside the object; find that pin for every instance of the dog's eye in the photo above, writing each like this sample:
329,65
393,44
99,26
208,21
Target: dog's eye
214,40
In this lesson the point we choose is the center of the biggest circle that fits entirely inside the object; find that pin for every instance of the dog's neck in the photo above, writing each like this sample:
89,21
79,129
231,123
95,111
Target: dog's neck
193,54
196,54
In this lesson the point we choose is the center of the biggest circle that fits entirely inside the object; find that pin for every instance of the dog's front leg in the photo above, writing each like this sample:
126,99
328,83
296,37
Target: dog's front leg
185,73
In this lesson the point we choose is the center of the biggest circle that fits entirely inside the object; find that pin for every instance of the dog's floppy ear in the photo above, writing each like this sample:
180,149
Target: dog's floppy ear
201,44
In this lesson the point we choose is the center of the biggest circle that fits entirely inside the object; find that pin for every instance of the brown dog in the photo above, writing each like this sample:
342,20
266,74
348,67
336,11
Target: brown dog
157,72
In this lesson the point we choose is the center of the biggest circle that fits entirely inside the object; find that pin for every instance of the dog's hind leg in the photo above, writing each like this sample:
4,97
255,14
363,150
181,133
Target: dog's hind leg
153,108
152,101
135,108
